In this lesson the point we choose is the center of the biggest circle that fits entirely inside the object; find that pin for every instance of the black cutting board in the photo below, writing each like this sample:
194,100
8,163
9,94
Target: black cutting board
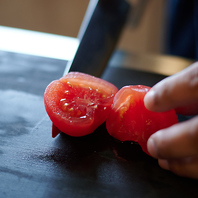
32,164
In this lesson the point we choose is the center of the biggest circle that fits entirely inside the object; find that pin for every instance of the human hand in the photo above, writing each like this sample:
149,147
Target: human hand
176,147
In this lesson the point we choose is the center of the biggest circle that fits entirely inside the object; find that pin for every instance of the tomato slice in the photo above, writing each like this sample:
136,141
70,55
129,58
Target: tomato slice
129,120
78,103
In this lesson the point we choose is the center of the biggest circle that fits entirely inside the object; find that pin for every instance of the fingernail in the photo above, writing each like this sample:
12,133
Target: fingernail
151,147
164,164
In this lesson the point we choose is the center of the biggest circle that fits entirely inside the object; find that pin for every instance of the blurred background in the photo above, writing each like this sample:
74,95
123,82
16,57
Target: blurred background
64,17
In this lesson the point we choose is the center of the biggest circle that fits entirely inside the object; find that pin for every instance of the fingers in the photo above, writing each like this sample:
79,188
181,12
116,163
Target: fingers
177,141
174,91
176,148
185,167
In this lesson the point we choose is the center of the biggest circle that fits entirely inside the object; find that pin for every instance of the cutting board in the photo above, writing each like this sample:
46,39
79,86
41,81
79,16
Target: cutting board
33,164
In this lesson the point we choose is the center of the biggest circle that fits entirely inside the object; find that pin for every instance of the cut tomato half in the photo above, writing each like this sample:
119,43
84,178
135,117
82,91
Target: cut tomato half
78,103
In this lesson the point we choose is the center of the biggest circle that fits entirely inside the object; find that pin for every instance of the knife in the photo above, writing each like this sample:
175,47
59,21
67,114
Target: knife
98,35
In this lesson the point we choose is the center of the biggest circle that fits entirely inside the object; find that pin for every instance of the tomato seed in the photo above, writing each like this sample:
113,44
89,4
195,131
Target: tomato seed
69,84
62,99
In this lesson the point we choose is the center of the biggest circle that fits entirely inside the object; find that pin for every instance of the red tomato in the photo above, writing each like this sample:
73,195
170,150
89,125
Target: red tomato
78,103
129,120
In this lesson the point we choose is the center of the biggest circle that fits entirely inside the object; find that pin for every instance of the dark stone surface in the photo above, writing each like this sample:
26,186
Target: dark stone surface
33,164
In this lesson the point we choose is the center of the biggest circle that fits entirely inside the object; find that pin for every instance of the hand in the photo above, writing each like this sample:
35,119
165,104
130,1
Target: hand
176,147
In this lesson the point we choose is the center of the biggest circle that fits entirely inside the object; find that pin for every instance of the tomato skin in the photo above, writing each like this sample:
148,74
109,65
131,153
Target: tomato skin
129,120
78,103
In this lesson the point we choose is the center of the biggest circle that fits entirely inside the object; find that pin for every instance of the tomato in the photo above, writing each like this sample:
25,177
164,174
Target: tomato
78,103
129,120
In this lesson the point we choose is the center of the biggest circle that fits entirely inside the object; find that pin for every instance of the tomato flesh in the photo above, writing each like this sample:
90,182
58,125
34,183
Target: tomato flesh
129,120
78,103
